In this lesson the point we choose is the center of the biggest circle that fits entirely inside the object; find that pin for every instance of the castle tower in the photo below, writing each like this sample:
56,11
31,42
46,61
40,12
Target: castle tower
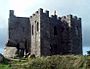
40,33
72,34
19,35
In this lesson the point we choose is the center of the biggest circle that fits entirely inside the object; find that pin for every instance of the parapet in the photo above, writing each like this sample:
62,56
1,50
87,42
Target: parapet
80,19
47,12
33,14
69,16
63,18
30,16
73,17
76,18
11,12
59,18
54,16
40,12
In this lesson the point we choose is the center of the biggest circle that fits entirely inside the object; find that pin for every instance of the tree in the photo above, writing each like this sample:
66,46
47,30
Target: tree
88,52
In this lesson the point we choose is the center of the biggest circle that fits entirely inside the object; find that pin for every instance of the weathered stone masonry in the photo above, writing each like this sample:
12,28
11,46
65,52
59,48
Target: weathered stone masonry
42,35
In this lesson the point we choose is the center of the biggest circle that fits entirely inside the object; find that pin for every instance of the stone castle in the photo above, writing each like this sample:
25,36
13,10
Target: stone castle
43,35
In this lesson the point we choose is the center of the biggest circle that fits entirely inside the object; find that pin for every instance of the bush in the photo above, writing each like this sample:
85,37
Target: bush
32,56
88,52
54,62
5,64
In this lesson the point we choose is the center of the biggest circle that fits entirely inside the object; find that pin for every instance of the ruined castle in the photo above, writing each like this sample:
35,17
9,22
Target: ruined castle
44,35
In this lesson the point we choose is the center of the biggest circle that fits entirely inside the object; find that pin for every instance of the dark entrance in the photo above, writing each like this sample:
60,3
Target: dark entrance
53,49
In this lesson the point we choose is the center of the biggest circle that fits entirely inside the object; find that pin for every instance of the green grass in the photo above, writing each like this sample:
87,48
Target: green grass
52,62
49,62
4,66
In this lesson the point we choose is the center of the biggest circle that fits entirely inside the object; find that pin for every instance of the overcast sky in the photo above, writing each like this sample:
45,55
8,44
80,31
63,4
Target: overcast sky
80,8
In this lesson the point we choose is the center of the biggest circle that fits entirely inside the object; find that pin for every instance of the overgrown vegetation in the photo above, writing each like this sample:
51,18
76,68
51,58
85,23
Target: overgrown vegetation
5,64
51,62
88,52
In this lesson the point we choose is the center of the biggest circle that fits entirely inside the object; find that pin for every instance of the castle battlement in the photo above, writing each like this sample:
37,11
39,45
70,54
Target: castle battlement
40,12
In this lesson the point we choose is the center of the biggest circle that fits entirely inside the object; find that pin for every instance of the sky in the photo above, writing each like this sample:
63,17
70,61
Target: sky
80,8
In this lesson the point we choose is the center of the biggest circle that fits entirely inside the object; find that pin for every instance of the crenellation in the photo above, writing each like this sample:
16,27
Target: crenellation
75,17
33,14
80,19
59,18
11,12
63,18
30,16
54,16
70,15
40,10
47,13
36,12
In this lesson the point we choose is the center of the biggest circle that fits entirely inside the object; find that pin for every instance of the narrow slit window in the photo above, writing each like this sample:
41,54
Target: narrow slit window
55,30
37,26
23,29
76,29
32,30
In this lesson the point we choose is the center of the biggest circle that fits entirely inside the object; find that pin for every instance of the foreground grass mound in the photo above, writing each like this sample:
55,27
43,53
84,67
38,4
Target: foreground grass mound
51,62
5,64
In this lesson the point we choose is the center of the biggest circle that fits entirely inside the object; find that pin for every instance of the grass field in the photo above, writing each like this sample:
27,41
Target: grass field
5,64
50,62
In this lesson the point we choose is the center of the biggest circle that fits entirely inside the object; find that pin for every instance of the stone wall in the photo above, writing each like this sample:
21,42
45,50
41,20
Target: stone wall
45,33
55,35
76,35
19,32
35,33
72,34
